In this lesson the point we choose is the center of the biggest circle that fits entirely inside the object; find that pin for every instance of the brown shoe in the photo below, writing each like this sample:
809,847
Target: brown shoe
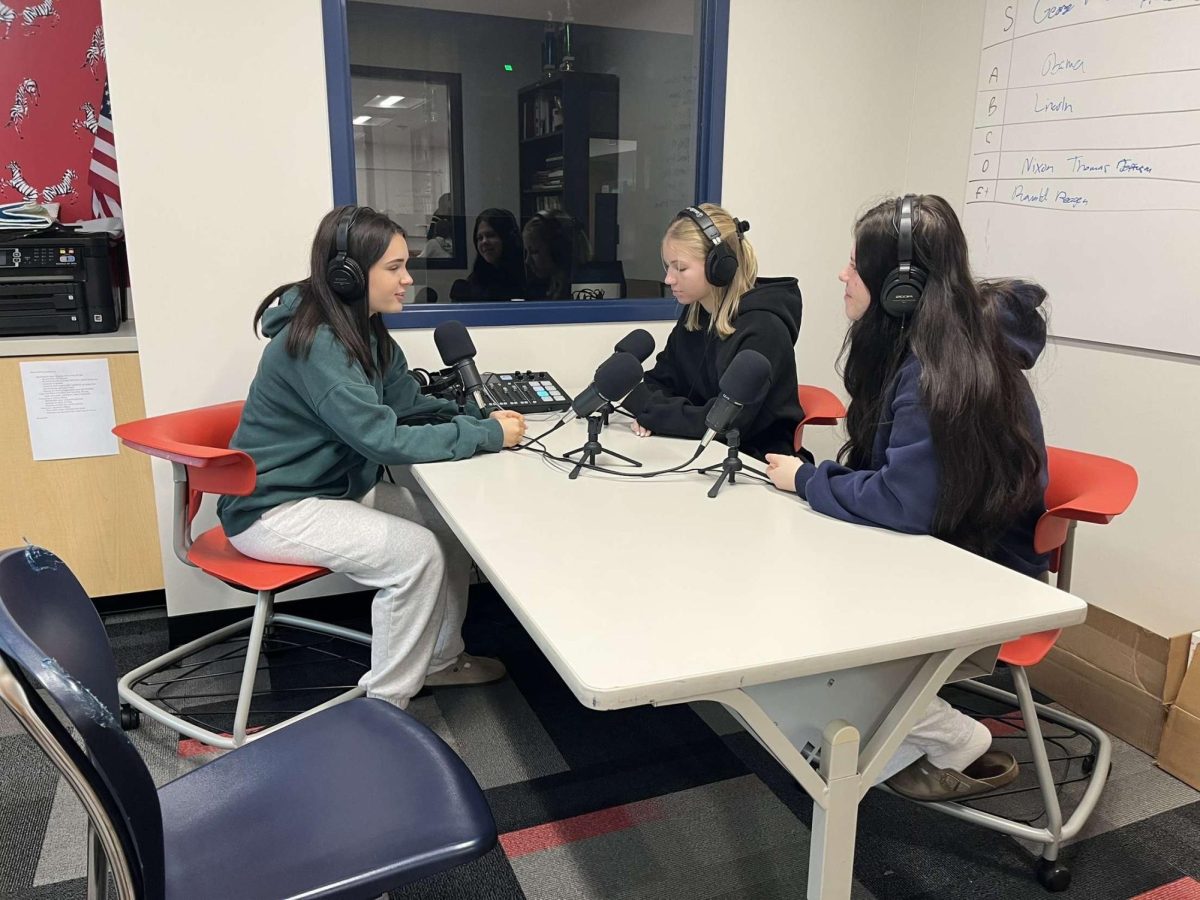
926,782
467,670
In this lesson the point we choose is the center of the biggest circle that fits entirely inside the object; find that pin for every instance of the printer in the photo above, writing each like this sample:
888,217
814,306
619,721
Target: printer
57,281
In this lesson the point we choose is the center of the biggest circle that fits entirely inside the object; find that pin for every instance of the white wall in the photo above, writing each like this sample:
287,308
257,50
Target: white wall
802,158
223,143
849,118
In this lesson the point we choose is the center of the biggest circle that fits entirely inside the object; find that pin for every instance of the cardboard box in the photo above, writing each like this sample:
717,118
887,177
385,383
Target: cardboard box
1179,752
1122,677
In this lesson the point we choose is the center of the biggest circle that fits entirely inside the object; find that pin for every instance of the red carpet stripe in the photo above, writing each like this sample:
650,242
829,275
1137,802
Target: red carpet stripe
589,825
189,747
1002,726
1183,889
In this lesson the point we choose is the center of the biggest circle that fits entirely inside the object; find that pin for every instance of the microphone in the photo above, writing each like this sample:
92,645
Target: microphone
745,381
458,351
616,377
639,343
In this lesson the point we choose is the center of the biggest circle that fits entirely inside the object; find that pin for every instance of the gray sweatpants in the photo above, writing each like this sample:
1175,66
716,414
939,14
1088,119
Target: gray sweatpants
392,539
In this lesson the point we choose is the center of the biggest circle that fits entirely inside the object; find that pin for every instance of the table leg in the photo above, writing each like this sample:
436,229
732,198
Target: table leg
857,717
831,852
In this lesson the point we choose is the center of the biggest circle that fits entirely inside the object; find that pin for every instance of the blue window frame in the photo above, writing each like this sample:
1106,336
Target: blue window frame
713,51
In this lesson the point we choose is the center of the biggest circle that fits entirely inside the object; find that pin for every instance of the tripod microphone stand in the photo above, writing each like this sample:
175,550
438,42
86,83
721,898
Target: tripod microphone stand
589,451
732,466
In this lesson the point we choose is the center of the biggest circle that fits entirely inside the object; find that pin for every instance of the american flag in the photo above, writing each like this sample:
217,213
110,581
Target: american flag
102,173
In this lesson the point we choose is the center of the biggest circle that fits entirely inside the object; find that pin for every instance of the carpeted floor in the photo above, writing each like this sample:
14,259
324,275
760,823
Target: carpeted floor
676,802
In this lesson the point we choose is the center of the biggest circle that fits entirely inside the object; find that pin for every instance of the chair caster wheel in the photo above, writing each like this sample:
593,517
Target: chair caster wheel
1053,875
130,718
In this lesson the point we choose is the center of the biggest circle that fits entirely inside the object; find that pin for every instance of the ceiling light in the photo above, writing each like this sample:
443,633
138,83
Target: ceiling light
379,101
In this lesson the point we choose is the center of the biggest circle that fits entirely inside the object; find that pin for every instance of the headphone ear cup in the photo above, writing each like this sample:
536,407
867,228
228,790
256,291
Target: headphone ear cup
720,266
345,278
901,293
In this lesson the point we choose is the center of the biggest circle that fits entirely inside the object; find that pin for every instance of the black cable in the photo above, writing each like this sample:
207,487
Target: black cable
674,469
529,442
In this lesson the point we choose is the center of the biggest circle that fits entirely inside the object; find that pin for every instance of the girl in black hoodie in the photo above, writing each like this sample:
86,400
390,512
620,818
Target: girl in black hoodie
712,270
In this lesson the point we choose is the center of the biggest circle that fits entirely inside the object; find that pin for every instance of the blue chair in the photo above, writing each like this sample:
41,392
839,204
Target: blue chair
351,801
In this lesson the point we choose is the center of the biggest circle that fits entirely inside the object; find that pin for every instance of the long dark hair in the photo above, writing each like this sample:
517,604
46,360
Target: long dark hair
976,394
510,271
352,323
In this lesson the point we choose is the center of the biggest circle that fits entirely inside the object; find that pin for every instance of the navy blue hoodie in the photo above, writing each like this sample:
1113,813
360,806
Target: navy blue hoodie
900,489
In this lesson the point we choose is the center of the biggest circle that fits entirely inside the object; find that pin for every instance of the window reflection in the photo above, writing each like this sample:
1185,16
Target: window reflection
578,135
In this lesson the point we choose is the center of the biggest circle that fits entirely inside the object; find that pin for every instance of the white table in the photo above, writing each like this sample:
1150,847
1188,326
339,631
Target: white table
810,630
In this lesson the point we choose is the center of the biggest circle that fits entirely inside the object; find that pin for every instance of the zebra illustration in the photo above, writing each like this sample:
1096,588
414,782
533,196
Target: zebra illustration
43,10
90,122
7,16
64,188
23,187
95,51
20,108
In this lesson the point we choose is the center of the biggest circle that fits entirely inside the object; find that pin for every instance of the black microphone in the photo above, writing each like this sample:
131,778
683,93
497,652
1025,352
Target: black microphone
639,343
458,350
745,382
616,377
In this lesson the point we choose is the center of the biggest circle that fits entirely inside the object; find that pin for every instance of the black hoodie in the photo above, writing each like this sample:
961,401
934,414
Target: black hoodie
678,392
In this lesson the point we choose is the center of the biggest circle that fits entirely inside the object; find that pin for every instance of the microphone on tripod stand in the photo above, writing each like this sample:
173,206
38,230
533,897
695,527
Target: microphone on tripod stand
639,343
616,377
744,383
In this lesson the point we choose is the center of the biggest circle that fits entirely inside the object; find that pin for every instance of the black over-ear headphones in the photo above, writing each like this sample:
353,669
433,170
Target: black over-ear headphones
342,273
720,263
904,285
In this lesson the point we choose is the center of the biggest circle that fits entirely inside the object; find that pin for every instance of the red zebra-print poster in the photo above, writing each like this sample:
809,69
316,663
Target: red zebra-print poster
52,72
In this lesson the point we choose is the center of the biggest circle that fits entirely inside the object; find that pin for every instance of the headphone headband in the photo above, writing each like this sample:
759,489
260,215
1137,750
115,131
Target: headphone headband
702,220
904,228
345,223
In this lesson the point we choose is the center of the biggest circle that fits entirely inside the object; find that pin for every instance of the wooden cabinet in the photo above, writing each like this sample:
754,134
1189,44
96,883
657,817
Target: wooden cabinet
97,513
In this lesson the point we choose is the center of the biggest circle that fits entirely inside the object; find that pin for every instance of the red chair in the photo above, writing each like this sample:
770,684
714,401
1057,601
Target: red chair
196,442
1081,488
820,406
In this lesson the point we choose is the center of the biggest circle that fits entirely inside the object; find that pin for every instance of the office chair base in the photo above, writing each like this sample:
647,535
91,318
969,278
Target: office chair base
1051,874
257,625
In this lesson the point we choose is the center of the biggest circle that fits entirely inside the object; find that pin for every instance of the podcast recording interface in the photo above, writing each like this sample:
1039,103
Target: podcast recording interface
744,382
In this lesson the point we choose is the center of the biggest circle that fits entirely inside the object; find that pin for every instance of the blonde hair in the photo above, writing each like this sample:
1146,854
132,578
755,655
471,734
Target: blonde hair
691,239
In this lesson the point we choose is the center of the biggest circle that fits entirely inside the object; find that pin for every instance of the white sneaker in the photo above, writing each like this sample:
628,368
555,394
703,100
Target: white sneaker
467,670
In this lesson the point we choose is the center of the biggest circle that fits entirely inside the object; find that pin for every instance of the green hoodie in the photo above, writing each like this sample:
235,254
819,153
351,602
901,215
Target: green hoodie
318,427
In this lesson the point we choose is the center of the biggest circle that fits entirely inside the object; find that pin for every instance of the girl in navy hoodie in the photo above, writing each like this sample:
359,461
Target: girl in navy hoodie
944,434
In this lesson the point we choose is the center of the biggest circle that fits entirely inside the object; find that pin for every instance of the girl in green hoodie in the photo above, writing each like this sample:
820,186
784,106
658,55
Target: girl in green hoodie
332,403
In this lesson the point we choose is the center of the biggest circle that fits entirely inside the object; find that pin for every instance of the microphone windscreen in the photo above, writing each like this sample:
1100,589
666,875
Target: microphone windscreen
639,343
453,342
617,376
747,378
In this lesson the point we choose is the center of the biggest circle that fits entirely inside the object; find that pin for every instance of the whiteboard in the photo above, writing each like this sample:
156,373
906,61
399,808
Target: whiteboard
1085,164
